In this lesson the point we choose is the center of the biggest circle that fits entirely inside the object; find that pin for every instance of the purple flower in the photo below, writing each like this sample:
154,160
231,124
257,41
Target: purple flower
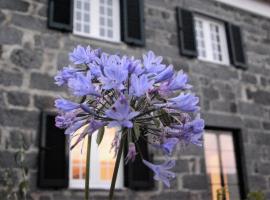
114,74
161,171
80,55
139,85
66,105
95,70
152,63
184,102
133,66
131,155
64,75
165,74
179,82
121,113
169,144
193,131
82,85
74,127
90,129
65,120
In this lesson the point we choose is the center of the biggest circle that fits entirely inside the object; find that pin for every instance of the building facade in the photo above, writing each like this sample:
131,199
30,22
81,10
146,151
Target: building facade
224,47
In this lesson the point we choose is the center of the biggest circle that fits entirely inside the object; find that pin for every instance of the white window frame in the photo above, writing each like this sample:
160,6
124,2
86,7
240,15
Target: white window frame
208,42
218,158
253,6
94,22
95,181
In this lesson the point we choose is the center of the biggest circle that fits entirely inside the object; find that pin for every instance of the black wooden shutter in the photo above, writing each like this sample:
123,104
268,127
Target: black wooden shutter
60,14
235,44
186,31
132,18
137,175
53,154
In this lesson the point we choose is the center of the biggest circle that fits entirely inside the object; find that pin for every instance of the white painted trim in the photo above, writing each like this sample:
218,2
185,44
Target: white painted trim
253,6
95,181
208,42
95,21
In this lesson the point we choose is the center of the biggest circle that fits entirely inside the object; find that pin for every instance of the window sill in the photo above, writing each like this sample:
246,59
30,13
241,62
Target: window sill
99,39
96,189
213,62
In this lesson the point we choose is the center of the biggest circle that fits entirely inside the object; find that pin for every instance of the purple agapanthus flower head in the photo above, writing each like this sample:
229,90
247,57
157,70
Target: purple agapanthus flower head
64,120
169,145
161,171
139,86
131,155
66,105
165,74
132,65
121,113
138,96
80,55
184,102
152,63
114,74
193,131
64,75
81,85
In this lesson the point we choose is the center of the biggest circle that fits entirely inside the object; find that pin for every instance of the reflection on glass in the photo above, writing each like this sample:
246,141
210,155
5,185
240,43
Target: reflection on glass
221,165
78,155
106,156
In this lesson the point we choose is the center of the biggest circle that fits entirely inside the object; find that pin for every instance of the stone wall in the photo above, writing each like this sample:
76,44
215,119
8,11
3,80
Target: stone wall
30,55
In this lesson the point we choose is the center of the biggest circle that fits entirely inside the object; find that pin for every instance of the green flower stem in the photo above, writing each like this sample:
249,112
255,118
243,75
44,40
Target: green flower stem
117,163
87,175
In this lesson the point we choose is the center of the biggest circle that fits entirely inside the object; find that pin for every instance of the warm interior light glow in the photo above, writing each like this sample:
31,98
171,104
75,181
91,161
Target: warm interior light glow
220,158
102,158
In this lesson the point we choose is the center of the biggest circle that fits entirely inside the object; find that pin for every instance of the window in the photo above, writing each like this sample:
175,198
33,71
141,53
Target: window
211,40
101,164
97,18
221,165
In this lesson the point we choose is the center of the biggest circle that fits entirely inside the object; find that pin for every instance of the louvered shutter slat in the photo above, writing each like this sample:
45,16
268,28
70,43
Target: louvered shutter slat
236,48
186,30
137,175
60,14
53,154
132,18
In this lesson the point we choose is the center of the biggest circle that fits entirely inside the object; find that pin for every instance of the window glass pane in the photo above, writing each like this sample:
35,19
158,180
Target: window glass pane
77,156
215,40
210,141
200,38
106,156
221,164
82,17
86,6
226,142
79,4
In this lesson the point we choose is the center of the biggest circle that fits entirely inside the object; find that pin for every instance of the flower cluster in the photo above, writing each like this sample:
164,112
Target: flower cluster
130,94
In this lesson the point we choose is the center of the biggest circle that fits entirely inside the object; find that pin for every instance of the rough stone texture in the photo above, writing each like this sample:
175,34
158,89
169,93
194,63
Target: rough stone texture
17,5
43,82
19,118
18,98
10,35
10,78
231,98
19,139
196,182
26,58
44,102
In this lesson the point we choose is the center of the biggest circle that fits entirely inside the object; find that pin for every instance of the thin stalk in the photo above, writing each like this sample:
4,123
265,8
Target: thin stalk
117,163
87,175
